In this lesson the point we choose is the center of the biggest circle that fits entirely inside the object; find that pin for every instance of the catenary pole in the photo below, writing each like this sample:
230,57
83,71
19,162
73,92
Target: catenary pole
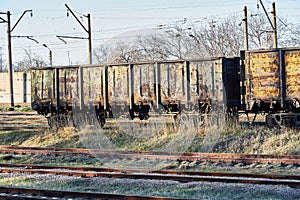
9,62
9,48
246,44
88,30
275,44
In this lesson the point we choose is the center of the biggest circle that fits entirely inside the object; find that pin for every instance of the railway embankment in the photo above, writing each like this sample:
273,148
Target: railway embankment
25,129
29,129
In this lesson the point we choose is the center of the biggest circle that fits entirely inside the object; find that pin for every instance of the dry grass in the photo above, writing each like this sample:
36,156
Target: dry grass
258,140
189,135
65,137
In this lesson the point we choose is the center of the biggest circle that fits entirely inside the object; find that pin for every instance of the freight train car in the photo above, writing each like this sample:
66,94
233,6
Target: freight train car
77,94
53,93
271,84
214,85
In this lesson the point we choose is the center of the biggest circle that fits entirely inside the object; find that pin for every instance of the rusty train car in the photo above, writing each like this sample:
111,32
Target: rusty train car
258,82
270,84
135,90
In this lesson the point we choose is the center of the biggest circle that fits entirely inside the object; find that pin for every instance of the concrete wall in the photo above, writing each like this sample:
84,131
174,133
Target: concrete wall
22,87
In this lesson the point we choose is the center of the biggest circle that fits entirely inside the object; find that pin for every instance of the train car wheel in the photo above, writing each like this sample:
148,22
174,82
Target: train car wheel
141,116
146,116
131,114
101,121
271,122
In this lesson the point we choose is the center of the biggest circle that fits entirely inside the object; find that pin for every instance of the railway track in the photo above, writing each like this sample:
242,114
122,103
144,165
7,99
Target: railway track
184,156
27,193
11,121
171,175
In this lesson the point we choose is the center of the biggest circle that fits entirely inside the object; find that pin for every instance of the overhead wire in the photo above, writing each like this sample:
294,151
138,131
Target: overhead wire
136,9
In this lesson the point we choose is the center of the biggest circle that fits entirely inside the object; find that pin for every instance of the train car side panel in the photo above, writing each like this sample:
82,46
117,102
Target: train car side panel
201,77
118,90
144,83
292,69
143,90
172,86
272,85
231,82
262,79
68,88
43,90
215,84
93,86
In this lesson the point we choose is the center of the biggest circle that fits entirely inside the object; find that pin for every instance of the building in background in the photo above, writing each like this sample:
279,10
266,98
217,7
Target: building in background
22,89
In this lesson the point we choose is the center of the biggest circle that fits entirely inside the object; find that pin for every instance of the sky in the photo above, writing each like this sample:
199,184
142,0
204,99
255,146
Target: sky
110,20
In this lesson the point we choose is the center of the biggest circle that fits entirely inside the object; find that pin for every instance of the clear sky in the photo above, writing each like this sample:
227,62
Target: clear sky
111,19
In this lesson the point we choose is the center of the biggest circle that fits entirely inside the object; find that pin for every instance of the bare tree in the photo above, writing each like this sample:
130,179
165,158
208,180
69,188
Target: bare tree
2,65
289,34
30,60
155,47
188,40
222,38
170,42
102,54
259,32
125,52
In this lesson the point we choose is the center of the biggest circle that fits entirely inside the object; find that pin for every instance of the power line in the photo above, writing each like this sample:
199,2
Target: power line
292,31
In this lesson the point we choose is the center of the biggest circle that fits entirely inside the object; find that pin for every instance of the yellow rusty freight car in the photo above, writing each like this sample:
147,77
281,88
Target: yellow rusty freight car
270,84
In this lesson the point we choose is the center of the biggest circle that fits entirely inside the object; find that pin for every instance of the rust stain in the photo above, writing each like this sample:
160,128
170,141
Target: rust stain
292,64
262,72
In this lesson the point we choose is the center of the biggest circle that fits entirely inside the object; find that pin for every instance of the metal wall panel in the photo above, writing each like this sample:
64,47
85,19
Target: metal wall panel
201,80
262,75
118,81
43,85
292,68
172,77
93,82
272,79
216,80
231,82
206,80
144,83
68,86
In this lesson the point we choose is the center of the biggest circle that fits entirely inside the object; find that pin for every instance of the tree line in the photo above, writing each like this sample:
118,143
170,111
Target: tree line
185,39
190,40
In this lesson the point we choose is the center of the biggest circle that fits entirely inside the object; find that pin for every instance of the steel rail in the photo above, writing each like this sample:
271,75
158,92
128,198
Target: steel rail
28,193
19,113
181,176
187,156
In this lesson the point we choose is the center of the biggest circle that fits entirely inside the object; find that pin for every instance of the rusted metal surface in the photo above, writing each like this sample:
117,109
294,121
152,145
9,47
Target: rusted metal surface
172,82
144,84
292,68
21,193
182,176
272,80
118,93
201,81
68,85
262,75
93,82
212,157
42,85
215,81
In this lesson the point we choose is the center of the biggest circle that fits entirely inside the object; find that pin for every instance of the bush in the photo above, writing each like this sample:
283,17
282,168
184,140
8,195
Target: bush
10,108
25,109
